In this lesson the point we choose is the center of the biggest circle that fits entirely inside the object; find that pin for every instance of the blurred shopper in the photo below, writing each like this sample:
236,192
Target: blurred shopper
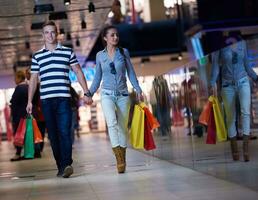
18,106
51,66
112,64
233,63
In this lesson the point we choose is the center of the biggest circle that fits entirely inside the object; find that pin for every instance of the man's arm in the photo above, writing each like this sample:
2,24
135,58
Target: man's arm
81,79
32,88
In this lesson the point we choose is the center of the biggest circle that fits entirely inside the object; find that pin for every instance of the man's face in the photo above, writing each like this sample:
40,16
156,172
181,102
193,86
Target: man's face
50,34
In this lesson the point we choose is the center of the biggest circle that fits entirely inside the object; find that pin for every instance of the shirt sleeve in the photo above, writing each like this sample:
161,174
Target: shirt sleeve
98,76
214,67
34,65
251,73
131,72
73,60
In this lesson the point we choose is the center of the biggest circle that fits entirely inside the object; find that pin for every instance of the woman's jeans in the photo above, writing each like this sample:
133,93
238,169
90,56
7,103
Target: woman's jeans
230,91
57,114
115,107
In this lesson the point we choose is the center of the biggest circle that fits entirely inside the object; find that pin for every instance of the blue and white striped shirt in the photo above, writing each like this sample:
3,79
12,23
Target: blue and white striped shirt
53,68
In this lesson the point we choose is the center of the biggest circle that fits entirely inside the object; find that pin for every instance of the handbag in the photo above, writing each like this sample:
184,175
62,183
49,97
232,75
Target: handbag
205,114
150,123
20,133
219,120
137,128
29,141
36,132
211,132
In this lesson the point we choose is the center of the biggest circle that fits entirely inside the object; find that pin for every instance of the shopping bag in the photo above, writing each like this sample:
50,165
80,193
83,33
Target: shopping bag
211,132
205,114
36,132
137,128
149,143
20,133
150,118
178,119
29,141
221,131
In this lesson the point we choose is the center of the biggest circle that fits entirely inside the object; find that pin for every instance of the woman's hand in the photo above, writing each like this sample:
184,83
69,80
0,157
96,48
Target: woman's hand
213,90
140,97
88,100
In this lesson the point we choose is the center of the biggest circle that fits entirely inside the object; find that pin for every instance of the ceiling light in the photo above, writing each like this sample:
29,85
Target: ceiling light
27,45
37,25
57,15
91,7
77,42
43,8
67,2
68,36
61,31
83,24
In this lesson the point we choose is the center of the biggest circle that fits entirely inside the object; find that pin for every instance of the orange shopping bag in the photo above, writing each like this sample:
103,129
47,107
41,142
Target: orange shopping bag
36,132
205,114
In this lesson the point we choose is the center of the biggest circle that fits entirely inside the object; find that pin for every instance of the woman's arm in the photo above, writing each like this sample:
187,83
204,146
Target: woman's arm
251,73
98,76
131,72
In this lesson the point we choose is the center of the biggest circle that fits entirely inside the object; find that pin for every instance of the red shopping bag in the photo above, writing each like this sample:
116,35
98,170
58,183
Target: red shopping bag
150,122
178,119
20,133
151,119
211,133
206,113
36,132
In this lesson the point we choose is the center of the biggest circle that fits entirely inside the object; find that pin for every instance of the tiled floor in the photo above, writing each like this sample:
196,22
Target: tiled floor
95,177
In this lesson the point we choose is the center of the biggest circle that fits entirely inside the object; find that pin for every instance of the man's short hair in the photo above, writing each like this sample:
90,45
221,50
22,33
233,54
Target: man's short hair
49,23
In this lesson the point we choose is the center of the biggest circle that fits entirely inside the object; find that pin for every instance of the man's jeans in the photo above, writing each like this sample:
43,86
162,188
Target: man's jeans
231,91
116,111
57,114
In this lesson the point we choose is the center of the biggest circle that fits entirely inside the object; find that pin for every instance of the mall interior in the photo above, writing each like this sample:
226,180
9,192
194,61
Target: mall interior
173,46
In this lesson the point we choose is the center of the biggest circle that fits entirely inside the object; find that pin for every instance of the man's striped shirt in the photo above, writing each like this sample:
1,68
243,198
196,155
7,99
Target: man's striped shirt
53,68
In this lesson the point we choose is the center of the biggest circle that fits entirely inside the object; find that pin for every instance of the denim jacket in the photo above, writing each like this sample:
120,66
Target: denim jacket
233,64
117,81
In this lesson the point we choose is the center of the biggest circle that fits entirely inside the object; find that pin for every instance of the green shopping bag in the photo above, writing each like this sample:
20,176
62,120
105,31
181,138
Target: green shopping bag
219,120
137,128
29,140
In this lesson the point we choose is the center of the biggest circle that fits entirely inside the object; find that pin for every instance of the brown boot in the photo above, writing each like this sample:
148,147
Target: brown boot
234,149
119,159
245,148
123,151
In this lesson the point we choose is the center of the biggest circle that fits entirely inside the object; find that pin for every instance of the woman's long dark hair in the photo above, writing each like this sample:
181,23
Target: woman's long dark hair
104,33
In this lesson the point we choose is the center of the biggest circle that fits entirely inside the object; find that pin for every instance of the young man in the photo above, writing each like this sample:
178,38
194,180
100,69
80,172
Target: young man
51,66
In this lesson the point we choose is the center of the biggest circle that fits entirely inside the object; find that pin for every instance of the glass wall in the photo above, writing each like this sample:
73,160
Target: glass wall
177,99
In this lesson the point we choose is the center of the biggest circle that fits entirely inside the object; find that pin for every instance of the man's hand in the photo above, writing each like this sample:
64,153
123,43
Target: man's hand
29,108
88,100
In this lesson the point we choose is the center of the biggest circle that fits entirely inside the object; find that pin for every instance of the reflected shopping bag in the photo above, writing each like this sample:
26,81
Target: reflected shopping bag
221,131
20,133
29,141
36,132
205,114
211,132
137,128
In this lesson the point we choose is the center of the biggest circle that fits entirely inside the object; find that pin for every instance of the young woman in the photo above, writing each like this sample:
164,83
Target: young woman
112,64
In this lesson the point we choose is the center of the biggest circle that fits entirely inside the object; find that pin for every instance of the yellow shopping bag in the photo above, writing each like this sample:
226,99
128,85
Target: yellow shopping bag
219,121
137,128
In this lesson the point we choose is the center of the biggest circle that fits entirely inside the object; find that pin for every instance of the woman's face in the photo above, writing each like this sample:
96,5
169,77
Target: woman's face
112,37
